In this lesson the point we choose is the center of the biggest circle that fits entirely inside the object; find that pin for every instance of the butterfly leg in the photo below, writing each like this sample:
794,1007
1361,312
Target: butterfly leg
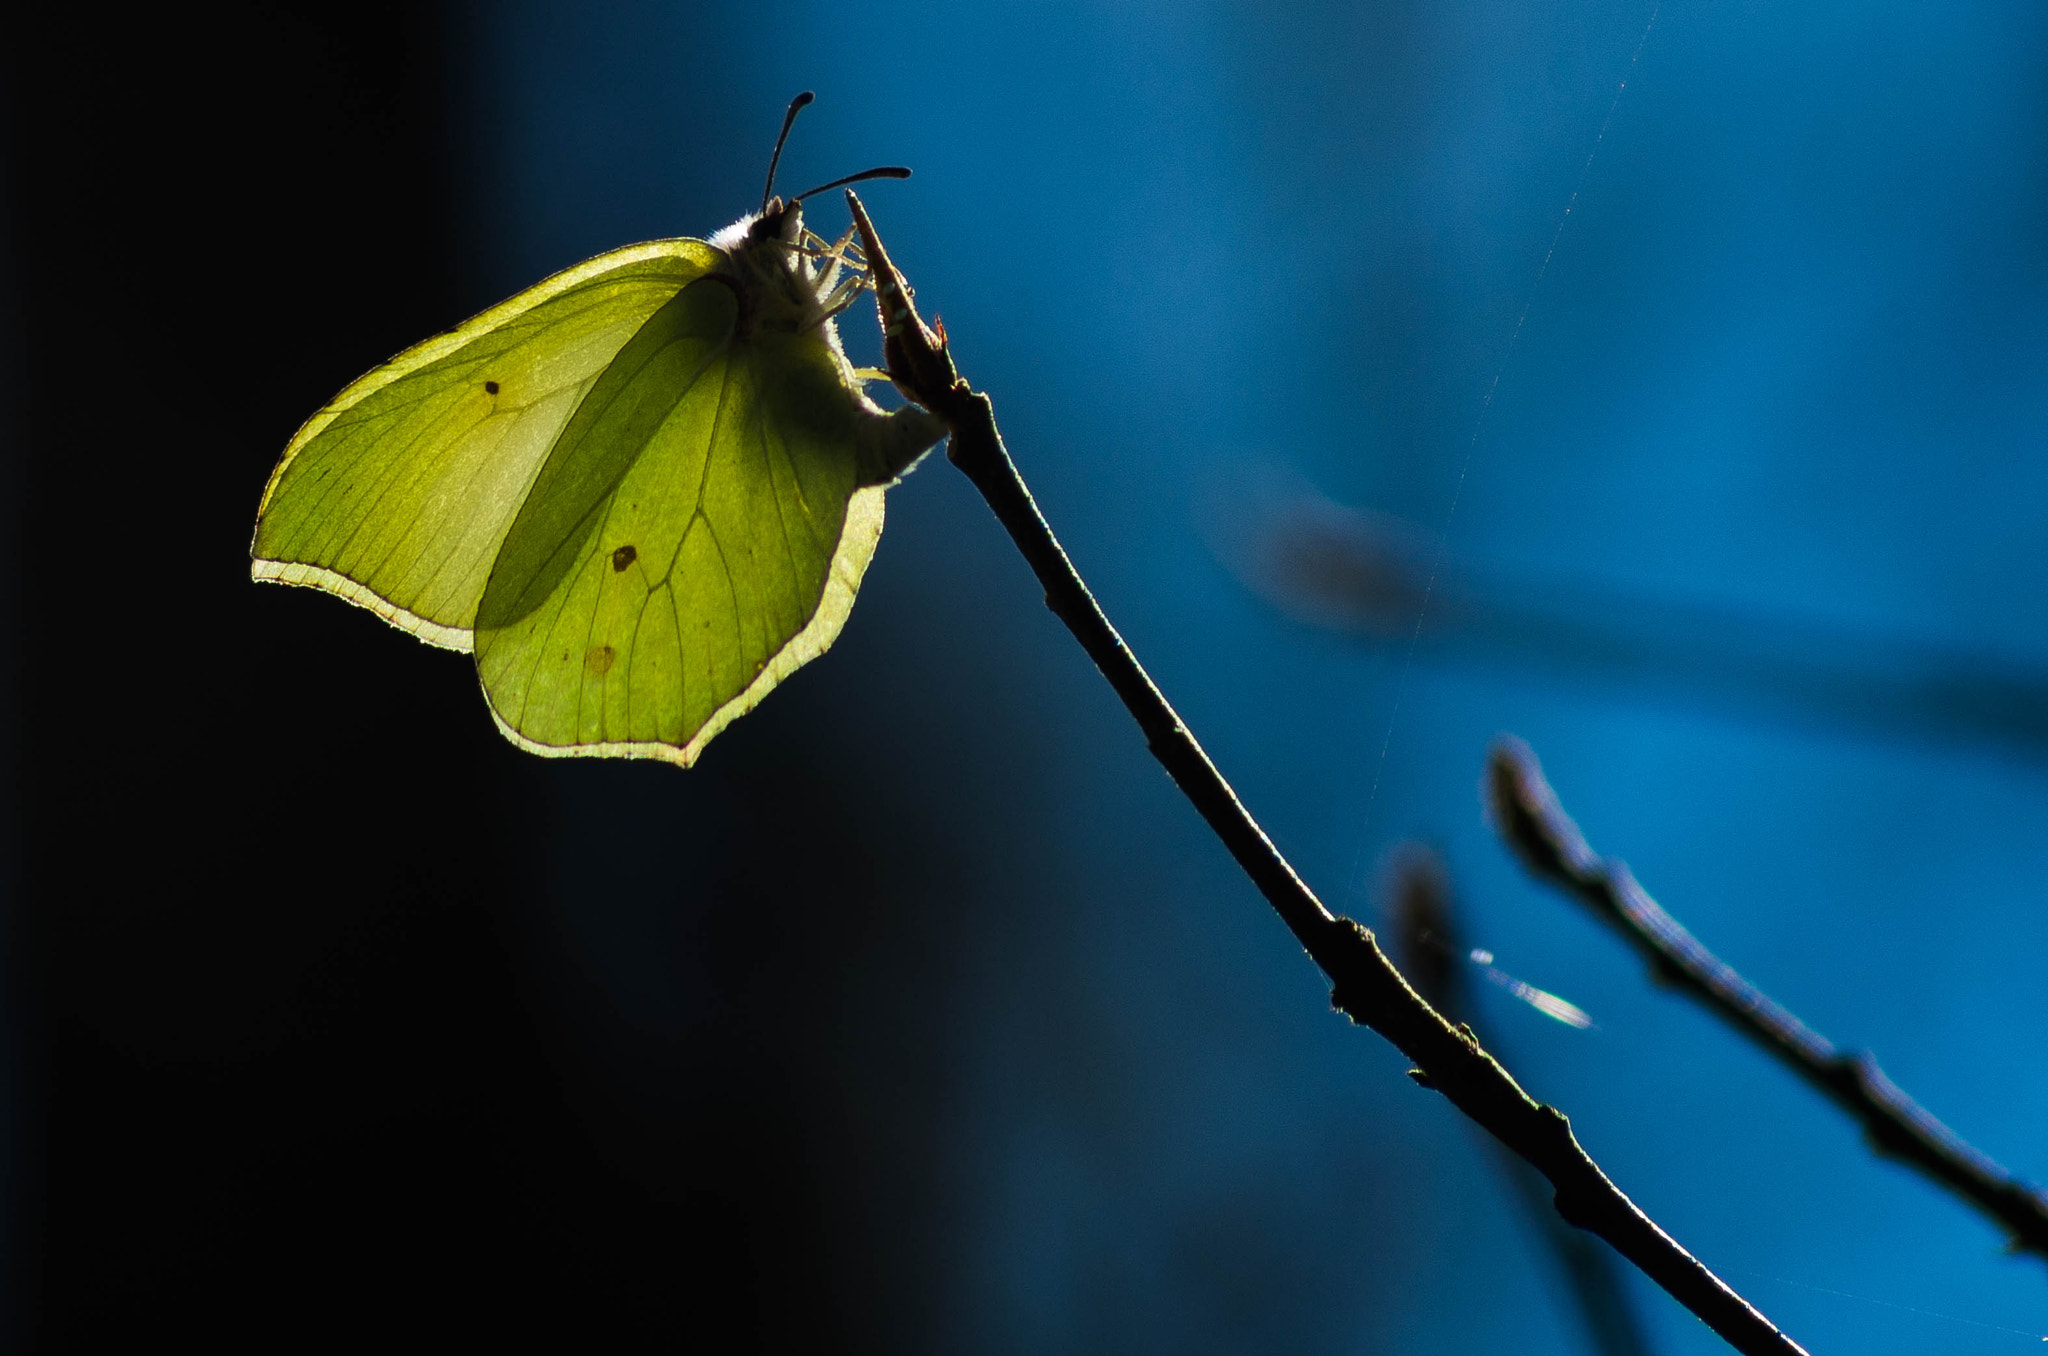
840,293
840,252
845,294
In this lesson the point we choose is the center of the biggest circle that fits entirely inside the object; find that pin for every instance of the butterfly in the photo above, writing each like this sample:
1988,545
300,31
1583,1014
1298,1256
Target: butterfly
640,493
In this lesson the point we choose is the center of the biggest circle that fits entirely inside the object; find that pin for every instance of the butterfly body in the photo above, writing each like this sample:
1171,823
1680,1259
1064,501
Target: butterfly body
778,284
641,492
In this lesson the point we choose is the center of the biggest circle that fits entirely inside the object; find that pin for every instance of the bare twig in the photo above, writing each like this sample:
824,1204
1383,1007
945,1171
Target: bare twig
1431,948
1527,814
1365,574
1364,983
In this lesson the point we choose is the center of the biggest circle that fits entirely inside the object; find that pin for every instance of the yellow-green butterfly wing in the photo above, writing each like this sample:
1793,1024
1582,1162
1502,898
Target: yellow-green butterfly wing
398,494
698,533
642,492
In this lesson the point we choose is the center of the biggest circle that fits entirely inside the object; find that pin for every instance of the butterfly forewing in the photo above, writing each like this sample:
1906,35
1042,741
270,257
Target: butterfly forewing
399,494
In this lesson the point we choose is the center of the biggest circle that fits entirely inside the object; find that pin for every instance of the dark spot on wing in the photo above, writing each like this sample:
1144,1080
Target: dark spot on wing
490,388
623,557
597,662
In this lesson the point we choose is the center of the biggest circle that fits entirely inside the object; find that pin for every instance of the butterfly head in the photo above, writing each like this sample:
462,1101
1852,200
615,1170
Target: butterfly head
778,224
789,279
776,231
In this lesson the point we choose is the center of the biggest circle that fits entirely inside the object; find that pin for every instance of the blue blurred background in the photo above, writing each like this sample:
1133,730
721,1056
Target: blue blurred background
925,1009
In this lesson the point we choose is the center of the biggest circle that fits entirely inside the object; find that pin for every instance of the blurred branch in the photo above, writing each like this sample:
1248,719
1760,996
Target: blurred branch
1364,983
1367,575
1432,952
1527,814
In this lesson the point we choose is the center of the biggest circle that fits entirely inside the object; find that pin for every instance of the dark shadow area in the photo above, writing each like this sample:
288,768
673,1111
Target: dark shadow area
302,1071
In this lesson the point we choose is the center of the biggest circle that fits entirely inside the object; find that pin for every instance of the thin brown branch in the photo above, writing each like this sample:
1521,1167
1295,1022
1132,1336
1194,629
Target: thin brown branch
1364,983
1527,814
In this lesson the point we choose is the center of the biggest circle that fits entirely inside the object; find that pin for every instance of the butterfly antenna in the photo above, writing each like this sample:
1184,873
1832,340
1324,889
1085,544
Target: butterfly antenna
878,172
796,106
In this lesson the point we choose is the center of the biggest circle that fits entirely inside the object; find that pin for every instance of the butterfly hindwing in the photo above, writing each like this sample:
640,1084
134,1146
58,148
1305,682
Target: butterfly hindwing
399,494
697,534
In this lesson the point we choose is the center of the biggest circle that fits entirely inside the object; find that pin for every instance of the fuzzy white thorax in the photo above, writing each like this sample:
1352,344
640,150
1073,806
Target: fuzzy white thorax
793,281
